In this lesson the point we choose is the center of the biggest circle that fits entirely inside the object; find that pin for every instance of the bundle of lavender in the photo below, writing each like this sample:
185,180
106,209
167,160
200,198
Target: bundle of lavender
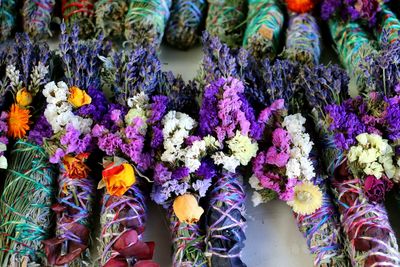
145,21
81,13
264,27
110,17
29,183
37,16
128,135
184,26
73,106
8,18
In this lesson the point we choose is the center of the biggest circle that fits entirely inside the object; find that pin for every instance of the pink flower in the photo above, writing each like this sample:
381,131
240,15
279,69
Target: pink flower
281,138
277,158
267,112
375,189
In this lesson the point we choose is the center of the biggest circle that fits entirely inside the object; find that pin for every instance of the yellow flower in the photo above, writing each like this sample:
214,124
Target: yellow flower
187,209
362,138
18,121
78,97
307,199
23,97
374,169
368,156
118,178
242,148
354,153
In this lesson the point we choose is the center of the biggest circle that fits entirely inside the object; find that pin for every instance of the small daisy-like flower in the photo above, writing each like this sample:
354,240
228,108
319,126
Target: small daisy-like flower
307,199
18,121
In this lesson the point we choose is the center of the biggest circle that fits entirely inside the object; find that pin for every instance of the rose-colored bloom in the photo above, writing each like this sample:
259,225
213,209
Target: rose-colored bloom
277,158
375,189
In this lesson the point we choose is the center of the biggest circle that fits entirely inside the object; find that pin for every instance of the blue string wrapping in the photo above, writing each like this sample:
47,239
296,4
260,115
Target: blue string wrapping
7,18
37,17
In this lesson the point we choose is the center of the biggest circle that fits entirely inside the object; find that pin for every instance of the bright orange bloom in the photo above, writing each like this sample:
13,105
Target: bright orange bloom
187,209
76,167
118,178
78,97
18,121
300,6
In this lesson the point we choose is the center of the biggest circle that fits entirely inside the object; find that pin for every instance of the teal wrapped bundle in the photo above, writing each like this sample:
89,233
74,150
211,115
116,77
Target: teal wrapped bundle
184,26
26,202
81,13
7,18
110,17
303,40
37,17
145,21
389,27
264,27
226,20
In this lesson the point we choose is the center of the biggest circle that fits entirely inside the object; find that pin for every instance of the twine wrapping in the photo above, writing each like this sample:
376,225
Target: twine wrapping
303,41
323,233
353,44
264,27
187,242
74,207
81,13
225,221
184,26
123,218
26,205
37,17
226,19
110,17
146,20
7,18
389,27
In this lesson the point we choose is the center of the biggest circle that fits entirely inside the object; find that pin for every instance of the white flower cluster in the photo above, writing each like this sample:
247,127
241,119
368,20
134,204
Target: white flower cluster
139,107
59,111
242,150
38,75
374,156
13,75
299,164
3,159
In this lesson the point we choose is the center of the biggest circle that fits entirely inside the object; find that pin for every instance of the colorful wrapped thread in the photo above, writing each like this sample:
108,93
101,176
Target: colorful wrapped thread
225,19
263,31
123,219
184,25
303,40
225,221
81,13
7,18
37,17
145,21
110,17
389,27
26,206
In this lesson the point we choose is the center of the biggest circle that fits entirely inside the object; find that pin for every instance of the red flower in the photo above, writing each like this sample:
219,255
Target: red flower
375,189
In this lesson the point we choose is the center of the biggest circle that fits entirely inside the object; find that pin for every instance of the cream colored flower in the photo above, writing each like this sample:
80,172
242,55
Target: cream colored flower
307,199
375,169
368,156
362,138
242,148
354,153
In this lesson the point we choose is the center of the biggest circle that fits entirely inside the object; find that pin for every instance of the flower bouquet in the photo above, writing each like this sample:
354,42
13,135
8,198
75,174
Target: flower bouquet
81,13
358,136
110,17
145,21
37,17
128,136
8,14
264,27
226,20
73,107
29,182
184,25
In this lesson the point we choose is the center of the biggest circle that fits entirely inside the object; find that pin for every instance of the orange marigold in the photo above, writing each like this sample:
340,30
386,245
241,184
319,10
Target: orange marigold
300,6
18,121
75,166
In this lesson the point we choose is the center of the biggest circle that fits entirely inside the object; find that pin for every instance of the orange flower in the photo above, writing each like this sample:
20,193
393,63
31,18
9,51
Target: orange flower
78,97
23,97
18,121
118,178
300,6
187,209
75,166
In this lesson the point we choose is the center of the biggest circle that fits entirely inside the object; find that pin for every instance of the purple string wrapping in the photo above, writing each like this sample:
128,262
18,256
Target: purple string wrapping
37,17
74,207
118,216
225,221
184,237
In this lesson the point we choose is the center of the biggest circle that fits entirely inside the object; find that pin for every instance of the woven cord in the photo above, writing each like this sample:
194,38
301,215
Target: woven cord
264,27
26,205
37,17
7,18
225,221
389,28
80,12
110,17
184,25
303,41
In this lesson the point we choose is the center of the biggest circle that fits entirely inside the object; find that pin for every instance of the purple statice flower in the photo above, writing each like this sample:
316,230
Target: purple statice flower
329,7
157,137
392,118
162,193
115,115
397,88
208,114
191,139
158,108
180,173
133,131
110,143
207,170
279,153
256,129
202,186
74,141
57,156
161,174
98,130
97,108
